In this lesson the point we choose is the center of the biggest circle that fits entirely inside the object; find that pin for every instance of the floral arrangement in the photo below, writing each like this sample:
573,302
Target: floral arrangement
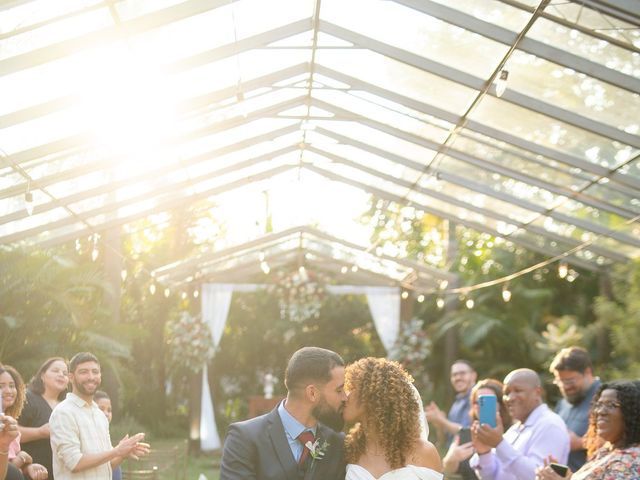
412,347
300,294
189,340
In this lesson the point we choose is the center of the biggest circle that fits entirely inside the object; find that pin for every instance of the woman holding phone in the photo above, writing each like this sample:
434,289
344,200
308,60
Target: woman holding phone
614,412
457,458
46,389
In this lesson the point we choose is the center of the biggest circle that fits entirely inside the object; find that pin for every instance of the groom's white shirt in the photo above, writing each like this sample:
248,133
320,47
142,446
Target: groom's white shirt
293,428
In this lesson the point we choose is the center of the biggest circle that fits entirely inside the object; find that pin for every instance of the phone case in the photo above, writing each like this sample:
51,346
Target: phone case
488,409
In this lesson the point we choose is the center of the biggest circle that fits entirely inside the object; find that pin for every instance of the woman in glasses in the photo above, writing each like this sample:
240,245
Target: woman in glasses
615,415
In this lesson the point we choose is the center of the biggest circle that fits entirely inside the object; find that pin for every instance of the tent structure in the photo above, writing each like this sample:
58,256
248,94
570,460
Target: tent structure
516,118
112,111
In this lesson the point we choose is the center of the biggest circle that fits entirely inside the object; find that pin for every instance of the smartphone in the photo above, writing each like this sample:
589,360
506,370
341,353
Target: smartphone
488,407
559,469
464,435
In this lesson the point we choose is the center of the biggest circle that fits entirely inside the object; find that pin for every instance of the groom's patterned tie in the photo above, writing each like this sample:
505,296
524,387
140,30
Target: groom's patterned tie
303,438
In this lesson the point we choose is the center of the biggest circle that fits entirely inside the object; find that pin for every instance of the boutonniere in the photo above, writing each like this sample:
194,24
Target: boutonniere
317,450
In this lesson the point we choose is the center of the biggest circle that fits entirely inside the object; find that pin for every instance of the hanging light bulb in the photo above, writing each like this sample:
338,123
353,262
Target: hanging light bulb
196,293
354,268
344,269
563,269
28,202
261,256
183,295
123,274
444,284
501,82
167,292
420,298
440,303
94,253
506,293
469,303
152,289
405,295
264,266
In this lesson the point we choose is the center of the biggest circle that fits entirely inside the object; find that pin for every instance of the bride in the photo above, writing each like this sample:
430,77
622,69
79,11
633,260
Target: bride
388,440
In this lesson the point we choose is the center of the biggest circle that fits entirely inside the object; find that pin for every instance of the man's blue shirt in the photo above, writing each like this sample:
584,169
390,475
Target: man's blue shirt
576,417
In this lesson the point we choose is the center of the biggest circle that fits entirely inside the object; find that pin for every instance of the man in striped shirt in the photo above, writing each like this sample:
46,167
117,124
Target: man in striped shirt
80,438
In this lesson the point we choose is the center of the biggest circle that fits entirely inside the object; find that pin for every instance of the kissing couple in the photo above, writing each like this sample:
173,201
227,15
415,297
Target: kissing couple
301,438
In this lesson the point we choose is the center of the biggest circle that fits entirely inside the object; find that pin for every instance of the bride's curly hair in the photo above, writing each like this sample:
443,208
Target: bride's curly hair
384,388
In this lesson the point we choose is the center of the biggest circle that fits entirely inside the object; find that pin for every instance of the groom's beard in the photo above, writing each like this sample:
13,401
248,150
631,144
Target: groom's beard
326,415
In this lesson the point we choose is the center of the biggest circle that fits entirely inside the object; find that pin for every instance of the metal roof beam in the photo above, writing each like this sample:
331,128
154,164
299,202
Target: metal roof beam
113,33
411,186
476,83
469,224
171,202
478,127
527,44
479,162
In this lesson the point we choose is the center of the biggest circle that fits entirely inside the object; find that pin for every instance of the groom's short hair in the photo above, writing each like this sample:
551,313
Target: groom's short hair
310,364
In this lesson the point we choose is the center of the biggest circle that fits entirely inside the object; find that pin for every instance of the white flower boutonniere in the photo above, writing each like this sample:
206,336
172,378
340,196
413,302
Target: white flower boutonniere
317,450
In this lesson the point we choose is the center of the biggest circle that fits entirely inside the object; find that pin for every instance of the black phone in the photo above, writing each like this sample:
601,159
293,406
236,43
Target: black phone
559,469
464,435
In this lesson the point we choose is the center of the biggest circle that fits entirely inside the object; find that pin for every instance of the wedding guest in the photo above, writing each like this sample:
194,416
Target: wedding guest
12,388
536,434
615,410
573,374
8,433
46,389
103,401
463,377
457,458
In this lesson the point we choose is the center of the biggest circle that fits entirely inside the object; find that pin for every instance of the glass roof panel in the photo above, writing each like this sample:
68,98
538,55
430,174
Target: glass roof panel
23,32
548,132
632,168
492,11
574,91
400,78
424,35
519,160
584,45
630,201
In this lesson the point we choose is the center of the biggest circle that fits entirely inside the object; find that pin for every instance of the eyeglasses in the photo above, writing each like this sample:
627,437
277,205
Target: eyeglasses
604,405
566,381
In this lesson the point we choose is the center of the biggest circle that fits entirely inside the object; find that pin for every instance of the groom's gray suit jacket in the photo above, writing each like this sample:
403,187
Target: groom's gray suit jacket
257,449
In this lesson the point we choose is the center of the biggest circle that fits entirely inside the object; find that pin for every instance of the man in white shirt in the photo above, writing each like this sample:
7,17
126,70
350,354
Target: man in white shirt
80,439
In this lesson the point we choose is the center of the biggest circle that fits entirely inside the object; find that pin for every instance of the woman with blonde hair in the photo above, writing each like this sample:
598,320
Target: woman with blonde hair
387,441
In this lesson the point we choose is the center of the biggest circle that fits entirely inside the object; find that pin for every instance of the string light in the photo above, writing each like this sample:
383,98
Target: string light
440,303
196,293
469,303
123,274
501,82
506,293
354,269
405,295
28,202
183,295
95,252
563,269
152,288
264,266
420,298
344,269
167,292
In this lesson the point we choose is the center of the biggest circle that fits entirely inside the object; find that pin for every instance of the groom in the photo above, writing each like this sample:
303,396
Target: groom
272,446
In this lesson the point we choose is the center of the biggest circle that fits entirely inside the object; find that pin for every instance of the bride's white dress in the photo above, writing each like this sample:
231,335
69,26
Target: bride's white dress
410,472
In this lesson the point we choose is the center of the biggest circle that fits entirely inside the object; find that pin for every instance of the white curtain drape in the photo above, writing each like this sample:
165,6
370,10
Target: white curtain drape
216,300
384,305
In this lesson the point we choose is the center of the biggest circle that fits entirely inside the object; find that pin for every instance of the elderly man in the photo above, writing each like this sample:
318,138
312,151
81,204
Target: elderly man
536,433
573,375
